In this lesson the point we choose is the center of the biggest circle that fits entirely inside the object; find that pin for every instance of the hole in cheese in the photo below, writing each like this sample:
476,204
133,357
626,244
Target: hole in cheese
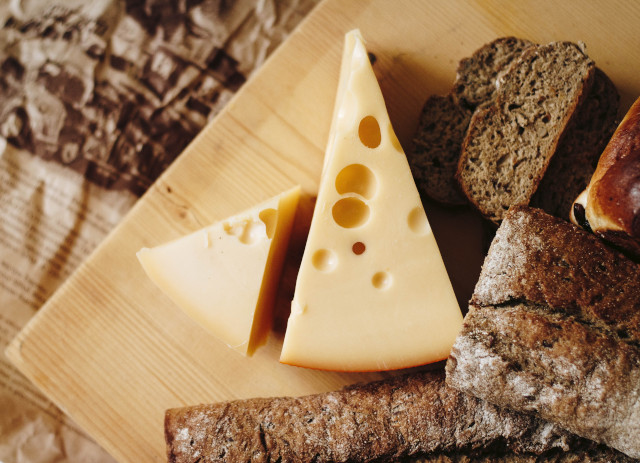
350,212
369,132
394,139
247,231
269,218
358,248
324,260
207,238
381,280
417,221
357,178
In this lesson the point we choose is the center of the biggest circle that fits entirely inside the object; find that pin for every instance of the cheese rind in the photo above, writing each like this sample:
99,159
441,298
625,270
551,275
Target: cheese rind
372,291
225,276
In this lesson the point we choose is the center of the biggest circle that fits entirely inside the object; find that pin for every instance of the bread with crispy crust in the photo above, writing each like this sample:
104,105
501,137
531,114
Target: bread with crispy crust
554,329
406,416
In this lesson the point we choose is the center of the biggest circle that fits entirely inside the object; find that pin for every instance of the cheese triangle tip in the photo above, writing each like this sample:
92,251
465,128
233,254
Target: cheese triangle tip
372,292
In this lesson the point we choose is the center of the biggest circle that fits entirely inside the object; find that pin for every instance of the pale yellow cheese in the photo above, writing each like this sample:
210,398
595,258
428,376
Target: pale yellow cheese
225,275
372,291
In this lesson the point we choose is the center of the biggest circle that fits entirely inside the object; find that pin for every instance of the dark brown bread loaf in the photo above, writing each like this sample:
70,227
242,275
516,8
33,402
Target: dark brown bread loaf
554,328
577,155
444,119
407,416
591,454
509,144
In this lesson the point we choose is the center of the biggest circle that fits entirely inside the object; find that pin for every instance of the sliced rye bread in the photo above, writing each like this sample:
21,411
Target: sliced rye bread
406,416
554,328
444,119
476,76
577,155
436,148
509,144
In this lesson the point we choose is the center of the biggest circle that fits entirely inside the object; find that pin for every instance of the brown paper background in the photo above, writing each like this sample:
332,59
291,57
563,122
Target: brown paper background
97,99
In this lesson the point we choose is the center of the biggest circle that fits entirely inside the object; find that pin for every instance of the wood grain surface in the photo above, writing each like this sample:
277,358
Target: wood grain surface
114,353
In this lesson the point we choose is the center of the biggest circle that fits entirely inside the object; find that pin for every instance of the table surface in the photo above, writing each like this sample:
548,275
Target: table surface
114,353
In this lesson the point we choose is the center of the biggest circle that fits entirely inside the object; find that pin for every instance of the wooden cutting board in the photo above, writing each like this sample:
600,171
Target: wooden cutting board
114,353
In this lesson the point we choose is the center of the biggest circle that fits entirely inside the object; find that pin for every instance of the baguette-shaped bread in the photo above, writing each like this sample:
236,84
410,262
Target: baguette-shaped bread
411,415
554,328
590,454
610,206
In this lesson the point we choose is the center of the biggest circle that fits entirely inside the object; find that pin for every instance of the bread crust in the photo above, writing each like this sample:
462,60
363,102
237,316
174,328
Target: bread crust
476,76
576,157
411,415
554,328
436,148
613,194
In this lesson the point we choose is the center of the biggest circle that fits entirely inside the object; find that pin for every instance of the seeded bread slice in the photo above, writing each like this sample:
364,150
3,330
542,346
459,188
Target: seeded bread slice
407,416
577,155
444,119
509,144
554,328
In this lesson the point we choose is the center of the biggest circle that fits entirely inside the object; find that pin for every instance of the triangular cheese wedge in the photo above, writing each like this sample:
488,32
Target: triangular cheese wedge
372,291
225,276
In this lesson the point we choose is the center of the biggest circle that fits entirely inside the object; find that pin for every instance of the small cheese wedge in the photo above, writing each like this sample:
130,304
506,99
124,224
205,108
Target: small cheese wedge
372,292
225,276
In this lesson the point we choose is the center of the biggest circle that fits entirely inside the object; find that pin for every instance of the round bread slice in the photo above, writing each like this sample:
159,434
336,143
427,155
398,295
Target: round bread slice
510,143
476,77
436,148
444,119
